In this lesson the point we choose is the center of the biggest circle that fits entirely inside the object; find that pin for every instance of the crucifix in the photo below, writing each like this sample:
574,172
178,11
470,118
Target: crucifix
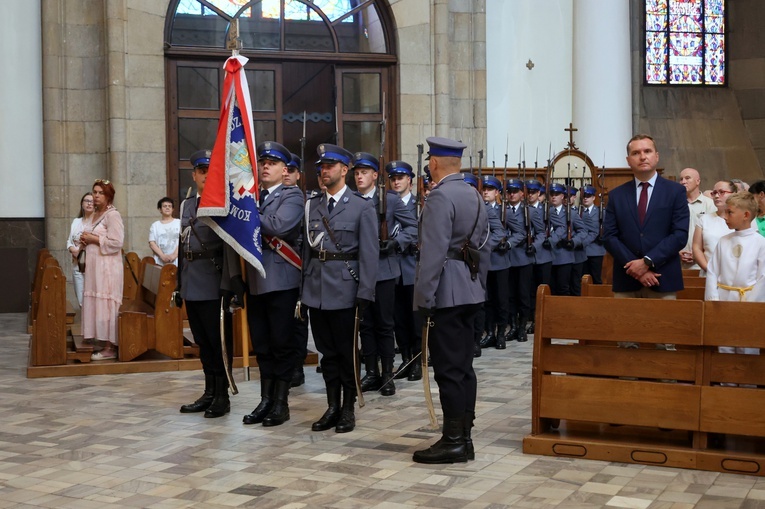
570,129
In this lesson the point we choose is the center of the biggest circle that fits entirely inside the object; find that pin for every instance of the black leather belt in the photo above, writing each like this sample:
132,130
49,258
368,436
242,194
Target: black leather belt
456,254
197,255
327,256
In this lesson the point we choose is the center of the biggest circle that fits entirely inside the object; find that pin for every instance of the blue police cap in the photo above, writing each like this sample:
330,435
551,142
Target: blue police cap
470,179
274,151
542,190
489,181
444,147
365,160
426,169
557,188
294,161
515,184
572,191
399,168
333,154
590,190
533,185
200,158
317,166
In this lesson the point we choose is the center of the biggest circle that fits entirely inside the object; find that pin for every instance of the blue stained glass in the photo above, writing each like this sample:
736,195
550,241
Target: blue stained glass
685,42
298,11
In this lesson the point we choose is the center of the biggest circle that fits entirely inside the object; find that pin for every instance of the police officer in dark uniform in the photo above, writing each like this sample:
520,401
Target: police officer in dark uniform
580,256
271,300
449,292
201,264
542,258
407,323
341,253
594,247
521,258
563,247
378,322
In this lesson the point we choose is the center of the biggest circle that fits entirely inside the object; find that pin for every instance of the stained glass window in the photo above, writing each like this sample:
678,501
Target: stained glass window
685,42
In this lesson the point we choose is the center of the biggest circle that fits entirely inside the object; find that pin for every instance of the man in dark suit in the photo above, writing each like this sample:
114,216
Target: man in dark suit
645,227
449,292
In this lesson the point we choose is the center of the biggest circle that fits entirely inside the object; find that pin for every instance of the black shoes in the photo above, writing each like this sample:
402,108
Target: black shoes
280,412
371,380
204,401
347,421
388,387
450,448
266,402
488,339
298,377
332,415
415,371
406,356
220,405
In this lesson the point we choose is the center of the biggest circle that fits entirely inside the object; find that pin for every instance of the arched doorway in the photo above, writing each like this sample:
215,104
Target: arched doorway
335,60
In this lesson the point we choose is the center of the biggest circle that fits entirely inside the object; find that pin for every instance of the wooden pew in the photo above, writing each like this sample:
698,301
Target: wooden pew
49,324
691,272
589,289
694,281
42,255
597,401
151,321
131,275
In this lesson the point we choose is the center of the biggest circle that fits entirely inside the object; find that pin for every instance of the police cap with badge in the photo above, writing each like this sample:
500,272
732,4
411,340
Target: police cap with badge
556,188
365,160
200,158
572,191
399,168
294,163
331,154
444,147
274,151
514,185
589,190
491,182
470,179
533,185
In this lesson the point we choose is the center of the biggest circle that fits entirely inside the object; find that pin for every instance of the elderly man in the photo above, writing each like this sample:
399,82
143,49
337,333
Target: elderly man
698,205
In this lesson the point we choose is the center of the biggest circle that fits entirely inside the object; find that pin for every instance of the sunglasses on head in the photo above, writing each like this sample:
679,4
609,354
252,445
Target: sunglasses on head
102,181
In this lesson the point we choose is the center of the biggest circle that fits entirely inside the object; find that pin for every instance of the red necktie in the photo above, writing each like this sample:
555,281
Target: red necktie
643,202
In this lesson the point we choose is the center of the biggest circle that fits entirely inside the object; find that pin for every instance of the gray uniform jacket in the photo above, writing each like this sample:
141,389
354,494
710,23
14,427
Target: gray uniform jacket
201,277
447,221
408,259
497,260
592,224
561,255
517,227
402,228
329,284
542,254
280,216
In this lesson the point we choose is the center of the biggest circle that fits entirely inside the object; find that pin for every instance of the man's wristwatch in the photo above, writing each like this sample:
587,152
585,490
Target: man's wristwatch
648,262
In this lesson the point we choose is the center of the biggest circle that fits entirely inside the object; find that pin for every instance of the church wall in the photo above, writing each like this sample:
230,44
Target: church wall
719,131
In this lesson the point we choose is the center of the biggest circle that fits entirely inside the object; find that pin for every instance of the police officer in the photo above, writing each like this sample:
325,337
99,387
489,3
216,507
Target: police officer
521,259
594,247
580,256
376,329
407,323
562,246
542,260
449,290
201,264
271,300
496,307
341,253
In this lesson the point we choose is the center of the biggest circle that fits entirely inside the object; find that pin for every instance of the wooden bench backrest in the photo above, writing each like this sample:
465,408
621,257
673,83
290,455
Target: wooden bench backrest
589,289
49,331
691,272
131,266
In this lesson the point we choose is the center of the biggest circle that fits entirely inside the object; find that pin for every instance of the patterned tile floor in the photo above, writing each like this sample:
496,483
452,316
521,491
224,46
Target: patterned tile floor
119,442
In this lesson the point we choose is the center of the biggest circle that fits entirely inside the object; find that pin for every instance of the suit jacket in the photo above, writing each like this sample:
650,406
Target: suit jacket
448,219
408,259
661,237
402,228
329,284
497,260
280,216
516,225
200,278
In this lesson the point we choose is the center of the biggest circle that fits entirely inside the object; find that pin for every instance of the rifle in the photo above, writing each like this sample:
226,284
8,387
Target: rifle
601,197
581,186
530,249
480,161
566,202
546,209
298,305
503,213
381,180
302,158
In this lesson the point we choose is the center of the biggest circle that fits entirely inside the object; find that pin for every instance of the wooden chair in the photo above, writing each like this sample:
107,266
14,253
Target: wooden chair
151,321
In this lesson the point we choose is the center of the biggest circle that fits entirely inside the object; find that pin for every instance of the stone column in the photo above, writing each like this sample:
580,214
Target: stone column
602,79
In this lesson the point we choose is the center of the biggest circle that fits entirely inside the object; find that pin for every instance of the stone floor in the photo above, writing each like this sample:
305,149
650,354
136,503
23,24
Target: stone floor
119,441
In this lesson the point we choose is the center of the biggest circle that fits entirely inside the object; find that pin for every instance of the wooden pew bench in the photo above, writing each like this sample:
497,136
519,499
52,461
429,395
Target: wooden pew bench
589,289
151,321
49,322
592,399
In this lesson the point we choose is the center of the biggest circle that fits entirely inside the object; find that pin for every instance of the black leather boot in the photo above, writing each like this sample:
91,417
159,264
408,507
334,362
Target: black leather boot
371,380
450,448
476,349
203,403
513,332
530,330
298,376
388,387
488,339
347,421
470,451
501,337
521,336
280,412
220,405
332,415
266,402
415,371
406,356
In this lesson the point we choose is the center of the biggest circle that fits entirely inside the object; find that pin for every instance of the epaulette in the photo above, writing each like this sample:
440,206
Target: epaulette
315,195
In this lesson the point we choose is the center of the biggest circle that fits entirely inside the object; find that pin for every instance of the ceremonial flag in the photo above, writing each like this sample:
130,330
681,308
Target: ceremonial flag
229,201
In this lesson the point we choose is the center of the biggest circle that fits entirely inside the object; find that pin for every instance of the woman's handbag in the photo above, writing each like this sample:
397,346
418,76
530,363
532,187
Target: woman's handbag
81,260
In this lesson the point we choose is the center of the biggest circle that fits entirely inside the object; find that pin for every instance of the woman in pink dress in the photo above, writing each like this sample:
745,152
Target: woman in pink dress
102,238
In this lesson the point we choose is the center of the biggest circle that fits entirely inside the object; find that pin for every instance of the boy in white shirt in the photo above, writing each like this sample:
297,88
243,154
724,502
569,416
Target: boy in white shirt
165,234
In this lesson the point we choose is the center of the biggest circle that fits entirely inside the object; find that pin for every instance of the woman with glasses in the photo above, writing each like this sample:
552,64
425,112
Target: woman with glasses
711,227
102,240
73,241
